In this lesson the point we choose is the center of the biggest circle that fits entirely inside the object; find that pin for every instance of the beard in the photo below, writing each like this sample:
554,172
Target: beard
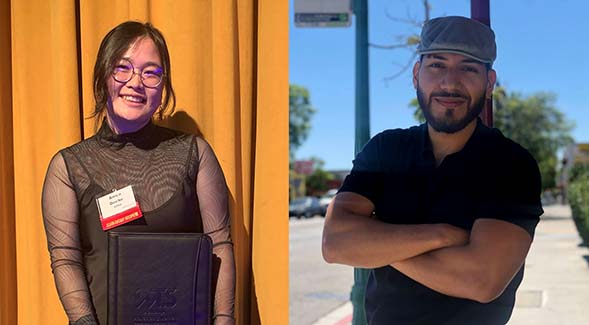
449,123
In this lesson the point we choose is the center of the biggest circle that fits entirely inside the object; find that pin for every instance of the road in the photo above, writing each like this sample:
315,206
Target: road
316,288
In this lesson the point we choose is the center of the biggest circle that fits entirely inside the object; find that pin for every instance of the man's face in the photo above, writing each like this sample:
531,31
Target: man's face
451,89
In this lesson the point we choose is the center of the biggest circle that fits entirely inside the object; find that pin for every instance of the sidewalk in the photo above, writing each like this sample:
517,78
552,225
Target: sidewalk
555,289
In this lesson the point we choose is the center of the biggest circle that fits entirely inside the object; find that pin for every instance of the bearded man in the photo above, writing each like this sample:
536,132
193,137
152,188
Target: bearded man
442,213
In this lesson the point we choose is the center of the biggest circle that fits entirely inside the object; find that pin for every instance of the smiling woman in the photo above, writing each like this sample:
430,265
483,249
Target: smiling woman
129,101
172,179
132,101
230,79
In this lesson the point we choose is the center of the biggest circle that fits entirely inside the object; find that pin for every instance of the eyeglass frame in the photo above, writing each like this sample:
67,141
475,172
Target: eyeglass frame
140,74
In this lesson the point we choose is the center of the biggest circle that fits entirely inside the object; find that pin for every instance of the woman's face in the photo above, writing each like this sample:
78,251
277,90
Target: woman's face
131,104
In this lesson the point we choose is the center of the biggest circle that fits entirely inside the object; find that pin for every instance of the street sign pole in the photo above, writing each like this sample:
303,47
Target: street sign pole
336,13
362,84
362,136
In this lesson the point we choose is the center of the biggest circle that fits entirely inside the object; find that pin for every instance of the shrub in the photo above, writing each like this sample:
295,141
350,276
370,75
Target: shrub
578,195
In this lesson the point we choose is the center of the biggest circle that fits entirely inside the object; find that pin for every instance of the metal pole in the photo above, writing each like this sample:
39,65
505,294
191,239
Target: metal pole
479,10
362,136
362,94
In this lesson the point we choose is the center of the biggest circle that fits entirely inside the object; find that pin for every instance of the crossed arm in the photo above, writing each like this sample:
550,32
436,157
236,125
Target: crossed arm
476,265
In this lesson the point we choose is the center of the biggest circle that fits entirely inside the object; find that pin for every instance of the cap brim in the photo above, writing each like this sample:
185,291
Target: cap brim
455,52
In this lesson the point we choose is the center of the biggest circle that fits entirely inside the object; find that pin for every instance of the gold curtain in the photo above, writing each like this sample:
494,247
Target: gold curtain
229,69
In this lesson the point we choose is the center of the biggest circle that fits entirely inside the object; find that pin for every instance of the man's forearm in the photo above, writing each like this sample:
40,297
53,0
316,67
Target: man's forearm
370,243
451,271
480,270
352,237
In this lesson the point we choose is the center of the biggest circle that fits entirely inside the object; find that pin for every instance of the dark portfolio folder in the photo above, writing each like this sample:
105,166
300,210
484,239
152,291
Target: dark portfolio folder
159,278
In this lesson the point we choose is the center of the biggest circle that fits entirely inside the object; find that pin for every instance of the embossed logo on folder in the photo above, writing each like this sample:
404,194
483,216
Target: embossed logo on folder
155,305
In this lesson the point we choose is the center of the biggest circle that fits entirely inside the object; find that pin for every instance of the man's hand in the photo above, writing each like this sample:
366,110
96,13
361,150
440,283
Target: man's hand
352,236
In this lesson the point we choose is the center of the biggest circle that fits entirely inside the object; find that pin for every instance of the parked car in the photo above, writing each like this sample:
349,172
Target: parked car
306,206
326,199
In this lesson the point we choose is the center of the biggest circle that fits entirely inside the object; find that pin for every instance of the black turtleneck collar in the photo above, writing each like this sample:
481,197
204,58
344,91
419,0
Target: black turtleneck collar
147,137
106,133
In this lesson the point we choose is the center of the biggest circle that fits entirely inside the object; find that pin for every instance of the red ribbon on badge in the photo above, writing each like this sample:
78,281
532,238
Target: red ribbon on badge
121,218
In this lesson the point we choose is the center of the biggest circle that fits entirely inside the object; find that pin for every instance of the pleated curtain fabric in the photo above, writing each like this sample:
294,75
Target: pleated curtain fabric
230,74
7,230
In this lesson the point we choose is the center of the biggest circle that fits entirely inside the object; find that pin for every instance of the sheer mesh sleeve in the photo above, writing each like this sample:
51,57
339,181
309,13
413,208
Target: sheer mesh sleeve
212,197
60,217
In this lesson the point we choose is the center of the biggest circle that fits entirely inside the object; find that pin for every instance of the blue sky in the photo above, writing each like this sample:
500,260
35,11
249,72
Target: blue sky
541,46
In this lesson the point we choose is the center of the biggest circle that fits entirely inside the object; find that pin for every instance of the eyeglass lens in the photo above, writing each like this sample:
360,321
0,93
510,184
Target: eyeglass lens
151,75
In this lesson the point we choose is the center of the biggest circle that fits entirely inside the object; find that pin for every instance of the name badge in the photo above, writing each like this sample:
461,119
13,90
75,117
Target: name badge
118,208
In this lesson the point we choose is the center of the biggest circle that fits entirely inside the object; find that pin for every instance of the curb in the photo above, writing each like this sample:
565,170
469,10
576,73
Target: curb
339,316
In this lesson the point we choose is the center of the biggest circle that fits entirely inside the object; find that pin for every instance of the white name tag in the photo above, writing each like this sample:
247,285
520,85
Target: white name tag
116,202
118,207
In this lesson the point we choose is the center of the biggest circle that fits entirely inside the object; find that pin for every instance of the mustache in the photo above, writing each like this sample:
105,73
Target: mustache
449,94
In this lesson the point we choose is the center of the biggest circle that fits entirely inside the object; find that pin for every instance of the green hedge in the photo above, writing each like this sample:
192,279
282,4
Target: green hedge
578,195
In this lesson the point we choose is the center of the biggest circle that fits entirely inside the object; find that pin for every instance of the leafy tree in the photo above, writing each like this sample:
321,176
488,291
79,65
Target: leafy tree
300,114
534,122
317,182
417,113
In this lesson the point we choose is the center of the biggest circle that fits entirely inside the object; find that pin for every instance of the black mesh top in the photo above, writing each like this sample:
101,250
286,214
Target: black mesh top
167,169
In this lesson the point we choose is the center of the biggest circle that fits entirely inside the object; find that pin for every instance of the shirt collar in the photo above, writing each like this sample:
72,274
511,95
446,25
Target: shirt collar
473,143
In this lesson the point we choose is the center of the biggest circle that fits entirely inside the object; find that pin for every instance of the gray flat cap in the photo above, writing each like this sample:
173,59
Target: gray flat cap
459,35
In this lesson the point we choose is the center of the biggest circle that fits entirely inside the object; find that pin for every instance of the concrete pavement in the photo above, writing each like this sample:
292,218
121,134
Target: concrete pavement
316,287
555,288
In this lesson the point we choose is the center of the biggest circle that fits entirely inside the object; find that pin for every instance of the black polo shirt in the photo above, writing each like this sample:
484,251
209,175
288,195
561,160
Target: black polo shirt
491,177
